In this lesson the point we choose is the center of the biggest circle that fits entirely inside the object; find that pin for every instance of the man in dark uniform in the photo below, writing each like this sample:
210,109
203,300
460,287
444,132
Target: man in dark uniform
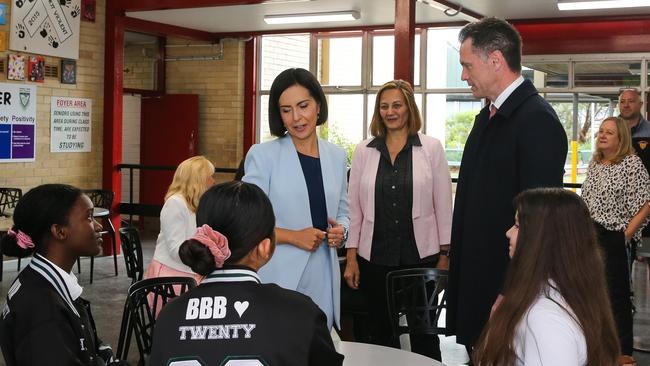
517,142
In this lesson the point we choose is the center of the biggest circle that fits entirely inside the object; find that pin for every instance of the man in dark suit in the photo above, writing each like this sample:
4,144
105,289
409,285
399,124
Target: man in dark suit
517,142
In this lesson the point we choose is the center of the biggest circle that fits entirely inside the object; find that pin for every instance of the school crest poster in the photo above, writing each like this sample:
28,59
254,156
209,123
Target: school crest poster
17,122
46,27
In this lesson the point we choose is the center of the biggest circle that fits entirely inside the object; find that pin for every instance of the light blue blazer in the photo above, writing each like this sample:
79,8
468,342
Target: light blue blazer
275,168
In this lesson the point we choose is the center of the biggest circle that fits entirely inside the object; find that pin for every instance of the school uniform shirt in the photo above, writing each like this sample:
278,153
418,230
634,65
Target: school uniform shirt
177,224
232,318
46,322
549,334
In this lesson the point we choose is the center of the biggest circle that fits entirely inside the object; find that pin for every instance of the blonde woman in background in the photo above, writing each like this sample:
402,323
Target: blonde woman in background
178,217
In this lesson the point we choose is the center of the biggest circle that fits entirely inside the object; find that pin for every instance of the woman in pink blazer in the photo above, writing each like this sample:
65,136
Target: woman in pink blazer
400,207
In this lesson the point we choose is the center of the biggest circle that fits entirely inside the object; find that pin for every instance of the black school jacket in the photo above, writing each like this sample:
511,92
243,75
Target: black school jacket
231,316
42,325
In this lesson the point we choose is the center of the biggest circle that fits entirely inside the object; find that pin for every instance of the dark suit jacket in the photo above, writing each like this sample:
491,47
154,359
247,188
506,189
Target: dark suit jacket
523,146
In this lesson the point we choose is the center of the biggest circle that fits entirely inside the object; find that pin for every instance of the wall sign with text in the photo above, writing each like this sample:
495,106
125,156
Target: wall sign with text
46,27
70,124
17,122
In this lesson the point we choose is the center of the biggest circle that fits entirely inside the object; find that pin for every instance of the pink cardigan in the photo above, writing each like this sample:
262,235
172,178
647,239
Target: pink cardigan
431,197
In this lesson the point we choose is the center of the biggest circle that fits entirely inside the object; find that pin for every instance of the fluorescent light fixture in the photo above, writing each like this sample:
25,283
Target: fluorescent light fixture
334,16
601,4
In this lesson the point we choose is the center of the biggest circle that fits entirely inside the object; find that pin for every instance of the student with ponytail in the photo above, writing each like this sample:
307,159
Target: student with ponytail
45,321
231,315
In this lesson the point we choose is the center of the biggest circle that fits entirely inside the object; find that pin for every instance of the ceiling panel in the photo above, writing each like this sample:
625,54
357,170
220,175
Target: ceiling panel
244,18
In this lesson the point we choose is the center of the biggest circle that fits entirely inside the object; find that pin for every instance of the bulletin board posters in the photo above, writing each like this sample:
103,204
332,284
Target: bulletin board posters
46,27
17,123
70,124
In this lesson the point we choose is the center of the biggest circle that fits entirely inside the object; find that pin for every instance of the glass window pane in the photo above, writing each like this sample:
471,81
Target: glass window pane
265,132
282,52
345,121
546,74
450,118
623,74
383,59
443,60
339,61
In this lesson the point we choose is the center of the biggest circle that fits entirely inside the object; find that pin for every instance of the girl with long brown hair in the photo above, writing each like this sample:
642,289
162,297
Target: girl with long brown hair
555,309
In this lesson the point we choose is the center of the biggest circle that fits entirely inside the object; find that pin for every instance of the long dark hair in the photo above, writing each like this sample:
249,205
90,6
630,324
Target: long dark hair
556,241
36,212
241,212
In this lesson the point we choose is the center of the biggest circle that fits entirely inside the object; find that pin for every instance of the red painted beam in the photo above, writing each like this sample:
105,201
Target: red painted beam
112,134
147,5
250,93
584,36
404,37
161,29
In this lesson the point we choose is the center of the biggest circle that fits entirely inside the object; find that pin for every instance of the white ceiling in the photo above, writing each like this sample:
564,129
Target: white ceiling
242,18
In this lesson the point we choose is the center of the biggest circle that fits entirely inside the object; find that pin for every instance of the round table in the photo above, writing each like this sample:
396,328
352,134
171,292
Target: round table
364,354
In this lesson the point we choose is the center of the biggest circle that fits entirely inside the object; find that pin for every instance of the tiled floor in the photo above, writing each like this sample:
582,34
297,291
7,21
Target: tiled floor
107,294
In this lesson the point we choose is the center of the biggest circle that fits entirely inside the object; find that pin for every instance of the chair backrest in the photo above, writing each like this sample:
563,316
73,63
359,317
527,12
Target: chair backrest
417,294
144,301
132,252
100,197
9,198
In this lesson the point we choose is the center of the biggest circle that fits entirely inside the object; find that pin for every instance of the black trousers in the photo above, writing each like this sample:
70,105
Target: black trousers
618,283
373,286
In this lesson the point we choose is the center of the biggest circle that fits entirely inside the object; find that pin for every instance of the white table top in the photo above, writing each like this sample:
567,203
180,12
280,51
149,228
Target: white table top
99,212
363,354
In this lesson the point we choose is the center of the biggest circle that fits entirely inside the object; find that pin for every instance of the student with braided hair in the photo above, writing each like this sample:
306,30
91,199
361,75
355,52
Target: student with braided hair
45,321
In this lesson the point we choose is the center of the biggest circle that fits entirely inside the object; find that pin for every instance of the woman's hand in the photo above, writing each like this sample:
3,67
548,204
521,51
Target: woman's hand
443,262
308,238
335,233
351,273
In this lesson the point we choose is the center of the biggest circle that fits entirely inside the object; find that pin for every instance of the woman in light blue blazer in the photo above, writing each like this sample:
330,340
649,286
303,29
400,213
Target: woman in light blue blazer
305,179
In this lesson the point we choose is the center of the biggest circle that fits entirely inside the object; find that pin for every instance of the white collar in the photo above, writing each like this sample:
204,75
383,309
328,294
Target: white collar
507,91
69,278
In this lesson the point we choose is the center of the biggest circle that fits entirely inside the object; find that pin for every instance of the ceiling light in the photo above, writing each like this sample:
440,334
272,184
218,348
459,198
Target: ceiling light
334,16
600,4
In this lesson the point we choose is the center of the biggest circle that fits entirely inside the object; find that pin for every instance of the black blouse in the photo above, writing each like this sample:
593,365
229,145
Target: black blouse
393,239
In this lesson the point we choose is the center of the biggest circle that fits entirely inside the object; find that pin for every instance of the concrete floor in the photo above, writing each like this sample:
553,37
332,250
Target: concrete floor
108,292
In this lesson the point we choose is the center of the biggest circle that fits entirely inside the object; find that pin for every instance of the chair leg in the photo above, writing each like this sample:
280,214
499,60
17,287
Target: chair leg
111,230
78,265
92,267
18,269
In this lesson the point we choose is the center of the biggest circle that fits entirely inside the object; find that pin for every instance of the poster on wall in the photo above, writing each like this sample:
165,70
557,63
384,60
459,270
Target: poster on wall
17,123
46,27
70,124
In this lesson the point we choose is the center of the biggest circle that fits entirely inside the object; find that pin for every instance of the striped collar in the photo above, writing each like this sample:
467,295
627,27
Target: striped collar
232,275
55,276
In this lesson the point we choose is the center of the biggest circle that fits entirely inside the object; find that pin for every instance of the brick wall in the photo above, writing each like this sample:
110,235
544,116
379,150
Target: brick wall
220,86
79,169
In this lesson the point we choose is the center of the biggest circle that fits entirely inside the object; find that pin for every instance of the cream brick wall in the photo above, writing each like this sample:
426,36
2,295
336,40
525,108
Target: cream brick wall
79,169
220,86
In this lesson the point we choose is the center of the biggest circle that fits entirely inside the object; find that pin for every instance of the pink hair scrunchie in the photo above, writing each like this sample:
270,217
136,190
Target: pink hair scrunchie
216,243
23,240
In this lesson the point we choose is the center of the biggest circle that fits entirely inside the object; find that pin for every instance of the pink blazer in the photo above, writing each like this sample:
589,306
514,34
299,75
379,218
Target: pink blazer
431,197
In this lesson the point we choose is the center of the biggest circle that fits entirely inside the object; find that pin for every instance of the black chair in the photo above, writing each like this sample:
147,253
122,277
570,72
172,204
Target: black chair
418,295
102,199
9,198
132,252
145,299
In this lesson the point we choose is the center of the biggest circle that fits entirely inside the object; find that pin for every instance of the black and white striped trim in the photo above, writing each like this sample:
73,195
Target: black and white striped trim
47,270
232,275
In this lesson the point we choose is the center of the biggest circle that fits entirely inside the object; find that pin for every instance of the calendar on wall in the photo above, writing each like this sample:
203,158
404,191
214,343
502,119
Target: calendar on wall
46,27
